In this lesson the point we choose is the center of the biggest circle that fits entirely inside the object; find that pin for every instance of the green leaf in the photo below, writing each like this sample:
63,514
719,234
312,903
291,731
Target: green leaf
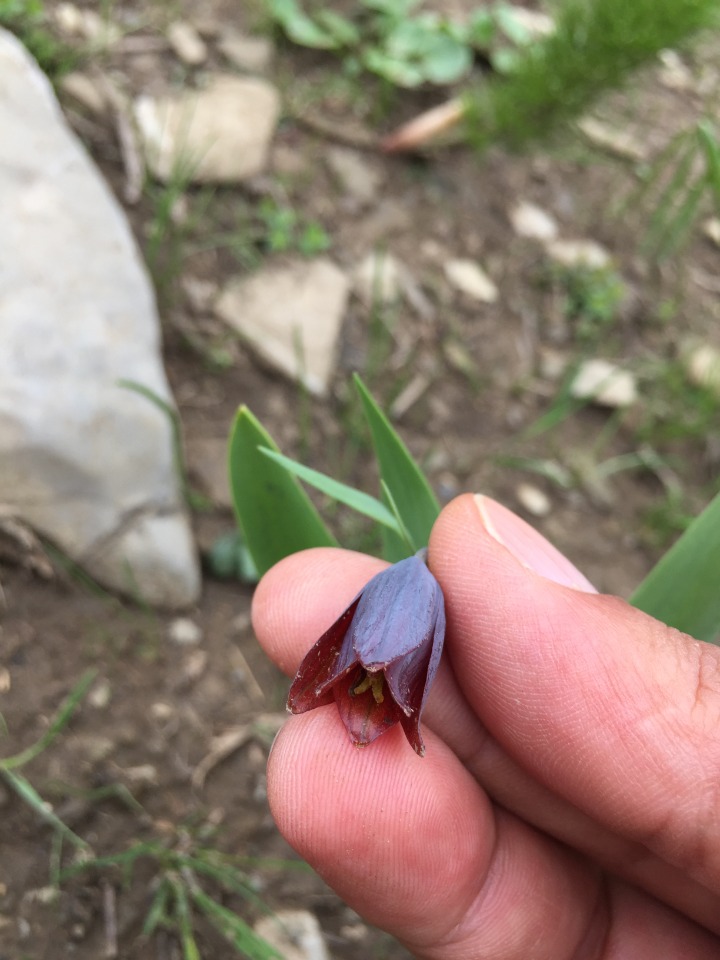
234,928
355,499
339,27
446,59
230,559
59,723
400,72
406,482
682,588
299,27
275,514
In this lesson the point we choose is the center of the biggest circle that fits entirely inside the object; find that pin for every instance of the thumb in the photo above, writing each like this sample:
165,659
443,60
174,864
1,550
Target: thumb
611,709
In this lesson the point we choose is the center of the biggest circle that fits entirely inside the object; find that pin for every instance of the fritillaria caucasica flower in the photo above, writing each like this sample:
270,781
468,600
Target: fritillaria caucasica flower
379,659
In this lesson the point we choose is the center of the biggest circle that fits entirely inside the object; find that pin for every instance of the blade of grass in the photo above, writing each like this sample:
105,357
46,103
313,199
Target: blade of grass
29,795
234,928
355,499
682,588
415,501
60,721
274,513
157,914
183,919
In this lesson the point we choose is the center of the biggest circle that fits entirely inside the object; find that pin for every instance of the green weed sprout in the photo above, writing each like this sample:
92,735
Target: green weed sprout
277,518
403,44
186,870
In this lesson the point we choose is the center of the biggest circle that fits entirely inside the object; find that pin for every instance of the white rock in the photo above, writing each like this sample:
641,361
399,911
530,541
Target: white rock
469,278
702,363
711,229
86,23
69,18
531,221
184,632
604,383
378,280
220,134
85,90
533,499
674,73
291,315
252,54
100,694
358,177
296,934
84,461
613,140
187,43
578,253
536,23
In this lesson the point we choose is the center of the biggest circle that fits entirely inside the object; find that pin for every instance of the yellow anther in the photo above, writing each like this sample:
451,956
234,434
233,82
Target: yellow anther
371,681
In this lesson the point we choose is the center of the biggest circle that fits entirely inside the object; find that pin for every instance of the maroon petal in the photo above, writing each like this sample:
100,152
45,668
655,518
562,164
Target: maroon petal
324,663
364,718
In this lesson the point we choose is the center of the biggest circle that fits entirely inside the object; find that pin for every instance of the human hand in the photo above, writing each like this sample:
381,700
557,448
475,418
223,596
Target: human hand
568,805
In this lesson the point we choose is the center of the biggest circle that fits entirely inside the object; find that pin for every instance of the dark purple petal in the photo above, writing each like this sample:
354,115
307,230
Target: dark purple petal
324,663
409,680
379,659
364,718
396,614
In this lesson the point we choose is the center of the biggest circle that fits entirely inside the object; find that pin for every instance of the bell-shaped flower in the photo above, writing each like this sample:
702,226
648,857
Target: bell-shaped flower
379,659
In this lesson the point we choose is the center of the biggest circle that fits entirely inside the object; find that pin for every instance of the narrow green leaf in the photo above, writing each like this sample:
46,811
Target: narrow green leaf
61,720
29,795
275,514
404,532
157,914
682,588
183,919
413,496
355,499
234,928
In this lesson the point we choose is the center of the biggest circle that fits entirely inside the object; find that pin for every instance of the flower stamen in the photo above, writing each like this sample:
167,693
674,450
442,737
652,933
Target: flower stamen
370,681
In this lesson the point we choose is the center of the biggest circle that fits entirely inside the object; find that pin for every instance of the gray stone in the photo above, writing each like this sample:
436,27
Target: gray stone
218,134
84,461
291,315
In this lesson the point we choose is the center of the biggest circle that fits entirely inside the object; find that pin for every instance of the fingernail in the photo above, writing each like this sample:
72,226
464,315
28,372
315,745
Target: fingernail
528,546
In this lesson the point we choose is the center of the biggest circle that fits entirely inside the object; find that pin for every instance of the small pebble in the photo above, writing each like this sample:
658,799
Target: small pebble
100,694
578,253
184,632
533,499
529,220
604,383
187,43
469,278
